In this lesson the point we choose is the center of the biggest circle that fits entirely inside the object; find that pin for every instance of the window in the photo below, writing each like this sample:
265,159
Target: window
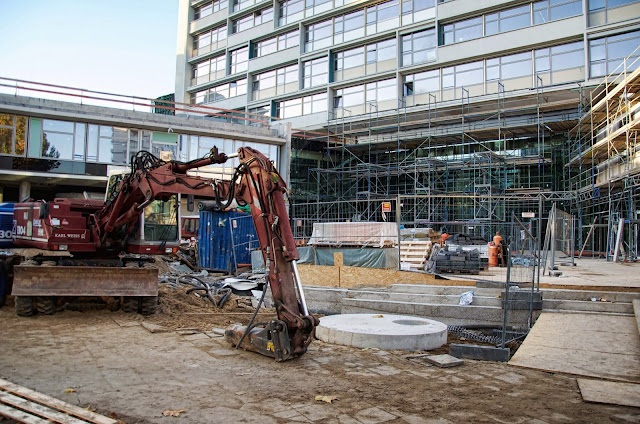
349,97
596,5
256,18
272,45
239,60
381,51
417,10
383,16
348,27
289,108
208,70
317,36
422,83
553,10
315,72
349,59
307,105
13,130
264,81
507,20
209,41
507,67
314,104
290,11
106,144
209,8
265,47
220,92
285,76
241,4
606,55
382,91
419,47
313,7
464,75
462,31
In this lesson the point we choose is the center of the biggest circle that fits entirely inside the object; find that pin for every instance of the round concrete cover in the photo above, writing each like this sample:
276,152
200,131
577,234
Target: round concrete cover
382,331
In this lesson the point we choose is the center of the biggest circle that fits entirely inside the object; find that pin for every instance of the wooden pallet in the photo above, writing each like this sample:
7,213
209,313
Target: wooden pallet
415,252
28,406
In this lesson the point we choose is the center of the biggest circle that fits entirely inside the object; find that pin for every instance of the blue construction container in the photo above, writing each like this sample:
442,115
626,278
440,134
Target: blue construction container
225,240
6,225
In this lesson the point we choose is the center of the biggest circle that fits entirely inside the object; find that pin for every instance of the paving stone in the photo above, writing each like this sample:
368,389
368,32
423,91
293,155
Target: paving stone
199,336
374,415
155,328
444,361
510,377
414,419
319,411
222,352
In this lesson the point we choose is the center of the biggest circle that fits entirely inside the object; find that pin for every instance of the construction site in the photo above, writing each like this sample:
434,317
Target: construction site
456,259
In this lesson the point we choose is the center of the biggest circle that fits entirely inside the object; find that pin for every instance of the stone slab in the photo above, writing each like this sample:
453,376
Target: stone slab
482,353
155,328
616,393
382,331
444,361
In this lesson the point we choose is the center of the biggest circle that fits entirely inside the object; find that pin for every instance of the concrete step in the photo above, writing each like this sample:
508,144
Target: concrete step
587,306
440,299
586,295
448,314
443,290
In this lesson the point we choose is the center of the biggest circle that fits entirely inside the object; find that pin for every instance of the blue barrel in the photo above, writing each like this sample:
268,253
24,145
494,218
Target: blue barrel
225,240
6,225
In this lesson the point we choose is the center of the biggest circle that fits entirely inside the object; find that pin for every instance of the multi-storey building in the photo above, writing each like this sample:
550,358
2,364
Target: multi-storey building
419,97
312,61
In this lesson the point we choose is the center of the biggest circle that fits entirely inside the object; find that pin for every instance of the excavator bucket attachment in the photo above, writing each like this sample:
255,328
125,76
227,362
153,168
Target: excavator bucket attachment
272,340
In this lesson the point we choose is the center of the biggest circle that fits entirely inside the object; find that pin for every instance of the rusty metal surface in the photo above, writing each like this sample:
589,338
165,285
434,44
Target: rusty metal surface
32,280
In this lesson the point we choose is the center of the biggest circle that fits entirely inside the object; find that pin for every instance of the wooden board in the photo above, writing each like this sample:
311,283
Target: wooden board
592,345
56,404
615,393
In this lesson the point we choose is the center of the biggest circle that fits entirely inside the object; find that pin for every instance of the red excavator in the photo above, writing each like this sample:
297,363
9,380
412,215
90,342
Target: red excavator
96,234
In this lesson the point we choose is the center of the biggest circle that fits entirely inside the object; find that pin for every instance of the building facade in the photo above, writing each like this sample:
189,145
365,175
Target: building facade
466,107
314,61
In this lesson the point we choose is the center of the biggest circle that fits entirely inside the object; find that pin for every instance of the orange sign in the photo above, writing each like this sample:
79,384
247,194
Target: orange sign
386,206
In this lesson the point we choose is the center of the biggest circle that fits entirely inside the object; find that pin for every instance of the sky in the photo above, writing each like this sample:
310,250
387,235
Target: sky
116,46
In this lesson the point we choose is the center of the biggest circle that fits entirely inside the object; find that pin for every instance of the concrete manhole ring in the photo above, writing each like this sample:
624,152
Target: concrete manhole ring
382,331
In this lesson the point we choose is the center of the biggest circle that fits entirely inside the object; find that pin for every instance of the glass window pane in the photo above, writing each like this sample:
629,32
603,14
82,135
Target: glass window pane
6,139
56,145
79,144
60,126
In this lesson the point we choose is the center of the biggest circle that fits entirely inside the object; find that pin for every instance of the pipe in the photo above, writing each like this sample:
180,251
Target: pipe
303,300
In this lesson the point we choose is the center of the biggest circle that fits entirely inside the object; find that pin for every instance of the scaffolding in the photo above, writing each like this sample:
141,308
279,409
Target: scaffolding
462,166
604,165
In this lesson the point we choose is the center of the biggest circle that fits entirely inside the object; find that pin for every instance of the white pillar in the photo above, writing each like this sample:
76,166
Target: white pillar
25,191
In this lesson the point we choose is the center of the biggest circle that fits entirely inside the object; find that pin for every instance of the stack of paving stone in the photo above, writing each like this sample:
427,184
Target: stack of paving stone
458,261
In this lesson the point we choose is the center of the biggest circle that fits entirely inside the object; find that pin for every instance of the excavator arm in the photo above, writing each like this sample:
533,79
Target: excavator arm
255,183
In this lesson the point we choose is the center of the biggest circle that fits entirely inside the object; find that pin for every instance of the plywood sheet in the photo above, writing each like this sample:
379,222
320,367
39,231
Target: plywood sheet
319,275
349,277
593,345
613,392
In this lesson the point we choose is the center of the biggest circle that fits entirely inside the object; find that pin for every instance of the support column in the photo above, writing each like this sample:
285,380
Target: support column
25,190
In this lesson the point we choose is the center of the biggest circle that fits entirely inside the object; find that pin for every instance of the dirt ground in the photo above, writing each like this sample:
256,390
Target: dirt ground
118,368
